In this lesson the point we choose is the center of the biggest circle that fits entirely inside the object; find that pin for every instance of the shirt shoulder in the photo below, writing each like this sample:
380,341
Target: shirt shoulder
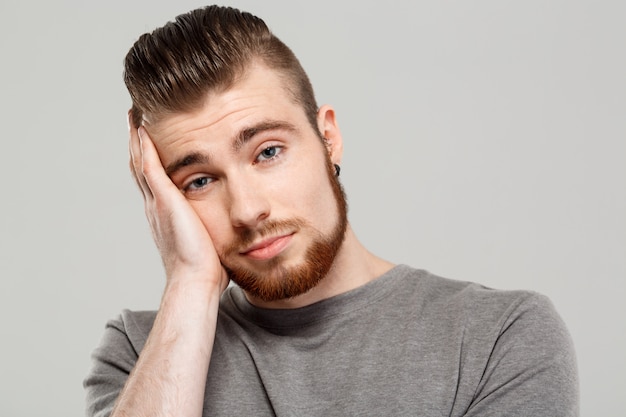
517,356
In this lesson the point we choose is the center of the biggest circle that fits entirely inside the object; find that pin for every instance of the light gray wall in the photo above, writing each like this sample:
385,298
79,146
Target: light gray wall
485,141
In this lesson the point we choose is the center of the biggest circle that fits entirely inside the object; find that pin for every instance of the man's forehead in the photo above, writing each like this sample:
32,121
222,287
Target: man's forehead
258,89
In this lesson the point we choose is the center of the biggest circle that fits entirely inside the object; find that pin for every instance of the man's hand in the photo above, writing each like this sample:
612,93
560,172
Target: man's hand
185,245
170,374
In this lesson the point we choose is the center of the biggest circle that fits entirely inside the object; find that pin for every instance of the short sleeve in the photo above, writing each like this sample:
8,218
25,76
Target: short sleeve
113,360
532,368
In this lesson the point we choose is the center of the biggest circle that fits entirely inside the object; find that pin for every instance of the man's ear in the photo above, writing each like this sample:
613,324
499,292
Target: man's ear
327,125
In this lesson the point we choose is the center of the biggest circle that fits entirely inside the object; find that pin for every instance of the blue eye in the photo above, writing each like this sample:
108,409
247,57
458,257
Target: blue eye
269,153
198,184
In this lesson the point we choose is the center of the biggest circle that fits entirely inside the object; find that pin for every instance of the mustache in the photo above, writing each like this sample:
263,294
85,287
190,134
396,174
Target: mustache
246,237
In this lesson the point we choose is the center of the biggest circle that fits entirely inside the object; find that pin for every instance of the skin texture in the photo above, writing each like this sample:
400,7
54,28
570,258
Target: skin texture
263,184
214,194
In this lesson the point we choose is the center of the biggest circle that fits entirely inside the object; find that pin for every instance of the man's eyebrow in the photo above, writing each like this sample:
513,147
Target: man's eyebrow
193,158
246,134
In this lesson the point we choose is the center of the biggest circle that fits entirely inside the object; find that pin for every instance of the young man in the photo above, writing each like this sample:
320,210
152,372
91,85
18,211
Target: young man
239,171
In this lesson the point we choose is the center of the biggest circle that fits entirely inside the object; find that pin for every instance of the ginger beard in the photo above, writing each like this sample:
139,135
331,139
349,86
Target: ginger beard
275,281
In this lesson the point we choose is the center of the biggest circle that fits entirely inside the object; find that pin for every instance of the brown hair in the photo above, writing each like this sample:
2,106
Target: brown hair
173,68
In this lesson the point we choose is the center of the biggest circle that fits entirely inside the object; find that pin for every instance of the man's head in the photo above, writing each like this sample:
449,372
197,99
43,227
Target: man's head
173,68
234,120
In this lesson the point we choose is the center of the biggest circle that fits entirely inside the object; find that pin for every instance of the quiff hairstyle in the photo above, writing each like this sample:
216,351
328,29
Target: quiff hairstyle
172,69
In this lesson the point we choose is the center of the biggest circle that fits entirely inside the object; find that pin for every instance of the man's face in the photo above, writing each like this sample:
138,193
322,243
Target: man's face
262,182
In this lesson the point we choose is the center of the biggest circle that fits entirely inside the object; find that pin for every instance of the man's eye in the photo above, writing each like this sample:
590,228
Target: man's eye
268,153
198,184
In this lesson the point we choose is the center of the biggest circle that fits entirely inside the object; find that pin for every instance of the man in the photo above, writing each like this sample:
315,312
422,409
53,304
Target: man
239,170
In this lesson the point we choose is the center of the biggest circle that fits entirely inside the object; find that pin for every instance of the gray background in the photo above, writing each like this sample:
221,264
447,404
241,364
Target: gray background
484,141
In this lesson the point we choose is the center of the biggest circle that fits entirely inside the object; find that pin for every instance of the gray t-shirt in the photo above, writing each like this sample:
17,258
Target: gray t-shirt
406,344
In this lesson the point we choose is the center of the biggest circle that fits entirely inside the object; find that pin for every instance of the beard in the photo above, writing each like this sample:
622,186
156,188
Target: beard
273,280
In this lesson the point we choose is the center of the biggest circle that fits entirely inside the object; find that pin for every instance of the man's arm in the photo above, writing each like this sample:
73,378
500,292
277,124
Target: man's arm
170,374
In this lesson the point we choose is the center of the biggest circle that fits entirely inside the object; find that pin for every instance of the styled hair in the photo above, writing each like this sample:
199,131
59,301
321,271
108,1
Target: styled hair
172,69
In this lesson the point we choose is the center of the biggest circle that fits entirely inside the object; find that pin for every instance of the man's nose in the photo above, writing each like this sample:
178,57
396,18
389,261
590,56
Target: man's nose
249,204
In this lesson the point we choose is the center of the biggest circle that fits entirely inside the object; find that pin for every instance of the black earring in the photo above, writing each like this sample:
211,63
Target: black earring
337,169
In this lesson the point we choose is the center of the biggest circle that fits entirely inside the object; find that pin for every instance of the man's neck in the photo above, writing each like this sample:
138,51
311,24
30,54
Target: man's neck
353,267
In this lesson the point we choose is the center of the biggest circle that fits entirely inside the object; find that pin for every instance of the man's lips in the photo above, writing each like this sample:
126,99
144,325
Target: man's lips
268,248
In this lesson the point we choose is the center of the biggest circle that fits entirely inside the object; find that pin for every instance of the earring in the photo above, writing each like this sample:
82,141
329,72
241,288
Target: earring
337,169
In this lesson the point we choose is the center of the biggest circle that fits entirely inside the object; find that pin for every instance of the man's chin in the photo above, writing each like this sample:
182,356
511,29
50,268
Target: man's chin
274,281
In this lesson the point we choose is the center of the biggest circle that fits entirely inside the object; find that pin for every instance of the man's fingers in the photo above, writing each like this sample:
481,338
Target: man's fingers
134,148
152,170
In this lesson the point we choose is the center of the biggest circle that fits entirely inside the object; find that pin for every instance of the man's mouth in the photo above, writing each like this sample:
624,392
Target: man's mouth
268,247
